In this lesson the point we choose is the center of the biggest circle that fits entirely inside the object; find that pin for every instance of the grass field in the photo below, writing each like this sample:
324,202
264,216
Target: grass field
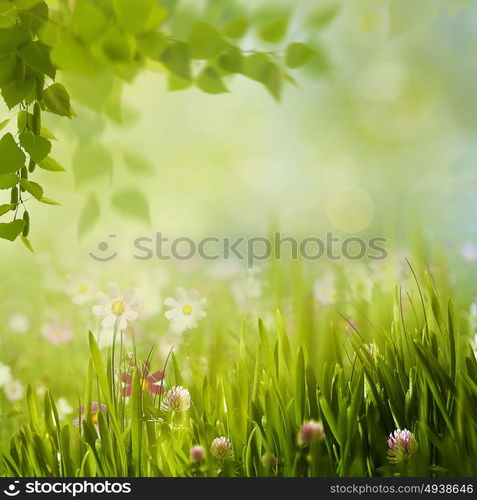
299,369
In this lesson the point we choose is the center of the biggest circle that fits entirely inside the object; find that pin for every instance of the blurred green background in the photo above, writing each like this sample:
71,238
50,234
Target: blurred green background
382,125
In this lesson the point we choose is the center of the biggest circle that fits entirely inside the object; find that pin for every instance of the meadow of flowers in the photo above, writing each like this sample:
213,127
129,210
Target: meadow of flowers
207,122
290,369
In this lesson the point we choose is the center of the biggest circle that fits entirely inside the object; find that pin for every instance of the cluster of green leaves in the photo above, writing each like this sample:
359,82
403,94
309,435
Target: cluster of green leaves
420,374
26,81
92,40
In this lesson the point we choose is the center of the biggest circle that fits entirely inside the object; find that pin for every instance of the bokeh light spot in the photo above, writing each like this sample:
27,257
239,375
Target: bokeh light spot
350,209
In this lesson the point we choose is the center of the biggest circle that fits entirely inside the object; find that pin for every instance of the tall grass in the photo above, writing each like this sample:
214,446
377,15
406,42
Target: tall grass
419,373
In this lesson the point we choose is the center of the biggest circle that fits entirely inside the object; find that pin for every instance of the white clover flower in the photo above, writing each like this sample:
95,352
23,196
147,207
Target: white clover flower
309,432
40,391
5,374
176,399
402,444
324,290
185,310
80,290
116,309
13,390
221,448
64,408
18,323
197,454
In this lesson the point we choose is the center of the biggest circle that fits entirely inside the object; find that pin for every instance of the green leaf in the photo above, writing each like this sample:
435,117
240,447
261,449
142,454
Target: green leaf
176,59
131,202
8,67
8,13
236,28
204,41
13,38
91,163
210,82
175,83
36,146
116,46
37,55
33,188
57,100
6,208
14,92
26,242
12,158
274,81
11,230
71,55
27,4
323,16
35,17
47,134
89,215
133,16
138,164
8,181
4,123
51,164
48,201
88,21
298,54
152,44
256,66
232,60
274,31
22,118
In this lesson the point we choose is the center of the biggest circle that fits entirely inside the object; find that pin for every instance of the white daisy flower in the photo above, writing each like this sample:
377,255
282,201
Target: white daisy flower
116,308
324,290
185,310
248,288
80,290
64,408
5,374
361,285
168,342
176,399
469,252
18,323
14,390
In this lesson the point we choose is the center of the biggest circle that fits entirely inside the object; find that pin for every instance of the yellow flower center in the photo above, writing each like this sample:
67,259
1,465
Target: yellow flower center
187,309
94,417
118,307
84,288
